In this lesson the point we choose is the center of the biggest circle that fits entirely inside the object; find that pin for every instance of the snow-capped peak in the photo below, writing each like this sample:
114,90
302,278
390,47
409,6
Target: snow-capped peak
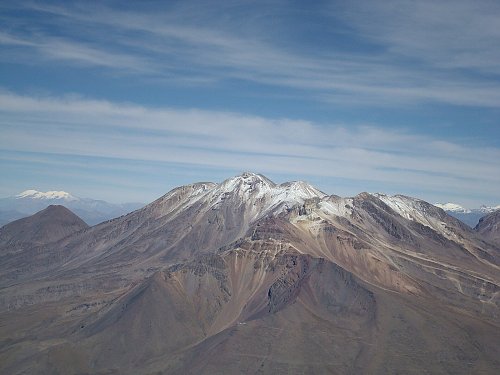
247,181
34,194
260,195
487,209
27,193
258,186
452,207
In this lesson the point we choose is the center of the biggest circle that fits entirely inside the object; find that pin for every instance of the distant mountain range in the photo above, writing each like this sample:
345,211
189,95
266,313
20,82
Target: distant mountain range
90,210
247,276
468,216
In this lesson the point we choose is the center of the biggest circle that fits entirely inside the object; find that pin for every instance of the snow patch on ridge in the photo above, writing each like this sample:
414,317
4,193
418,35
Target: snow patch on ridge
407,207
337,206
416,210
412,209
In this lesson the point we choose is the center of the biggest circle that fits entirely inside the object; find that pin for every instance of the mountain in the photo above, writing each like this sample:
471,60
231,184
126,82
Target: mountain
248,276
90,210
489,227
49,225
469,217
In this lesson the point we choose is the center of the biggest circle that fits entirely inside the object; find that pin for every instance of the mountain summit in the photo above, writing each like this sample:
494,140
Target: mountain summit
248,276
44,227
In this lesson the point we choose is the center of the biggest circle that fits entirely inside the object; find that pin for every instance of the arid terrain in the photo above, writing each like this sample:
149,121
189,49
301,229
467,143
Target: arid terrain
247,276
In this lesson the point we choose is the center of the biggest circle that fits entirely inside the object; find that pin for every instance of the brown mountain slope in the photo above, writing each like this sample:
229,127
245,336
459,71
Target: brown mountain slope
273,311
489,227
248,276
49,225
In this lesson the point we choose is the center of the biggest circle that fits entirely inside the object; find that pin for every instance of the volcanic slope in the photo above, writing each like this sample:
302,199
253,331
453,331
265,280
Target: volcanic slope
46,226
489,227
248,276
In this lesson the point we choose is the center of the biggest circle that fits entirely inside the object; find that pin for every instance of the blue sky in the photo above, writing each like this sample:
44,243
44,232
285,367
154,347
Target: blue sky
124,102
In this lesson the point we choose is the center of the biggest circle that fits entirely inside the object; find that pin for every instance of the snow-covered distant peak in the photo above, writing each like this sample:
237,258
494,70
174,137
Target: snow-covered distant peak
487,209
34,194
27,193
452,207
455,208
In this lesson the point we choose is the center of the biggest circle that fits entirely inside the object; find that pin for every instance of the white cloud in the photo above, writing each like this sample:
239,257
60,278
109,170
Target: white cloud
59,49
76,126
445,34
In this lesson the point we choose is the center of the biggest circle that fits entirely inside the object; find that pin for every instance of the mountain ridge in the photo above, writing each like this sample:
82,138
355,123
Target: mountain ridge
489,227
252,276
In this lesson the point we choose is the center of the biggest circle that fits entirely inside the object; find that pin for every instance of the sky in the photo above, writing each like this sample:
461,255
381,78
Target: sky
123,101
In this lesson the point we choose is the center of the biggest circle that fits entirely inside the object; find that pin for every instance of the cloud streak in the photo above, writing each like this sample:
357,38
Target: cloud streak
446,34
232,141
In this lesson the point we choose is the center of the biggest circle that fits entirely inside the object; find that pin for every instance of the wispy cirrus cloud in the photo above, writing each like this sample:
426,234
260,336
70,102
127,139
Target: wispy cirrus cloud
417,52
458,34
51,49
232,141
